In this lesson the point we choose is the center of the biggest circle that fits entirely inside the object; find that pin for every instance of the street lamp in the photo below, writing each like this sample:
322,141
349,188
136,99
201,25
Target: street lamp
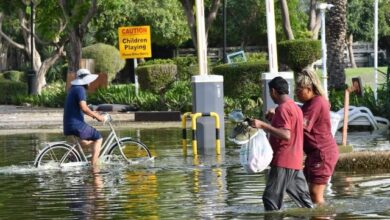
224,30
376,49
322,7
31,74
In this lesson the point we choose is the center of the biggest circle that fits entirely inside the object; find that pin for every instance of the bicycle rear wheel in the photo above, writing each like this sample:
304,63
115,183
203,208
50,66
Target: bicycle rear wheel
56,155
130,150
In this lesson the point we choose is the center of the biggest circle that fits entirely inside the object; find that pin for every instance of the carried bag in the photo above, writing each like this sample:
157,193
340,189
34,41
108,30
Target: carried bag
257,154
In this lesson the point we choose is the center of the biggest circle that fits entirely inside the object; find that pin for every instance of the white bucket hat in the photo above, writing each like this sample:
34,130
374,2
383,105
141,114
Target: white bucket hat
83,77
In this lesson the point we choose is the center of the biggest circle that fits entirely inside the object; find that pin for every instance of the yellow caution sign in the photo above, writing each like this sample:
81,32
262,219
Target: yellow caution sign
135,42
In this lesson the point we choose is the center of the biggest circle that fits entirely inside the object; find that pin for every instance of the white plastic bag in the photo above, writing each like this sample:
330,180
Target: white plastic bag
257,154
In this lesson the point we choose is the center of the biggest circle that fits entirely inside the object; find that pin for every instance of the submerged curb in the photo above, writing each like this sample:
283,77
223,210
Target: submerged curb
18,120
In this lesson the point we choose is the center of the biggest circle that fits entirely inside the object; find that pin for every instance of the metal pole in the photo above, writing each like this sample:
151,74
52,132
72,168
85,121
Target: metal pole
32,33
323,44
272,52
31,75
201,36
224,30
346,114
376,49
136,85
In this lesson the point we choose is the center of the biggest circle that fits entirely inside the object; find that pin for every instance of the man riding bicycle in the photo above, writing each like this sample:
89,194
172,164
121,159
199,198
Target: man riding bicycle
74,110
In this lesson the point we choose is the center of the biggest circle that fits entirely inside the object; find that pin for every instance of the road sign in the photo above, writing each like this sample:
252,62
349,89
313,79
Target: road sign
135,42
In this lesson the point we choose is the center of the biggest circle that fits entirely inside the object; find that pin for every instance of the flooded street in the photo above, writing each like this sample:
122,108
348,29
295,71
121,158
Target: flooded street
171,187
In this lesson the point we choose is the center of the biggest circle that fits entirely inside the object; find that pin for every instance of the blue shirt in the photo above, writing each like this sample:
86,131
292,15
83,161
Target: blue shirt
73,116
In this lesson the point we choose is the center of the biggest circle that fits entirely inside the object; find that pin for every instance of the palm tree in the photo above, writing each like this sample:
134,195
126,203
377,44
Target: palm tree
336,27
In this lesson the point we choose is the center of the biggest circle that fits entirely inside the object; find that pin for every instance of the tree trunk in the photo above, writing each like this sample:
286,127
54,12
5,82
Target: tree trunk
350,51
74,51
76,30
286,20
3,54
188,6
212,15
314,23
49,62
188,9
335,37
316,30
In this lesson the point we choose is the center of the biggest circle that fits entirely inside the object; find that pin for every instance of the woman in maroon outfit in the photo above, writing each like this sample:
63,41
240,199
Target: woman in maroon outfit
319,145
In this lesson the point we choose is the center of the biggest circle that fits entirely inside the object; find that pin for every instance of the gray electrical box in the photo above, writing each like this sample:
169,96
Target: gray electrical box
266,78
207,96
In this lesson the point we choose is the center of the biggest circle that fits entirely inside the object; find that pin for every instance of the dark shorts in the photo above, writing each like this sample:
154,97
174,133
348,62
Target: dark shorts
319,166
85,132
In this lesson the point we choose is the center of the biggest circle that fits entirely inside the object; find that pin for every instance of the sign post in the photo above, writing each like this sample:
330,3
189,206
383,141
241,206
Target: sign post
135,42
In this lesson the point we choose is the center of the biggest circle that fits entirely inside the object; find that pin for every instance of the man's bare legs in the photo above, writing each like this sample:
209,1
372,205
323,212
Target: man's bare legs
96,151
317,193
95,146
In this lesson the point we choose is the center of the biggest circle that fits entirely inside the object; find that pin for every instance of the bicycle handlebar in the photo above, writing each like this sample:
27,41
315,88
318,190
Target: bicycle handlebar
107,117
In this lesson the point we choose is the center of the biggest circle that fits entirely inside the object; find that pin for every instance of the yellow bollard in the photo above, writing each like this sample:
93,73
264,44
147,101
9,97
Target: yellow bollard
184,132
194,138
217,127
194,117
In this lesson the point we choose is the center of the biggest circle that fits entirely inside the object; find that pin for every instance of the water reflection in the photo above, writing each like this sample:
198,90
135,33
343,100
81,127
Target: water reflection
203,187
94,197
376,140
142,194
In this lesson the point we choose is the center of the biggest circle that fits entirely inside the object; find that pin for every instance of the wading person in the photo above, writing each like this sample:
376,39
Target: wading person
74,110
319,145
286,139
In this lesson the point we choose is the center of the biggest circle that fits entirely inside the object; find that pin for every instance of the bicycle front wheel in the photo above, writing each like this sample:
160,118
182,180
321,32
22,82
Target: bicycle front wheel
130,150
56,155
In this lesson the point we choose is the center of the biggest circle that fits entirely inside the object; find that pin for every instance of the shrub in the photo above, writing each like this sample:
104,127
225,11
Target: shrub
186,67
156,78
10,89
178,97
14,75
298,54
107,59
118,94
256,56
52,95
242,79
125,94
157,61
242,86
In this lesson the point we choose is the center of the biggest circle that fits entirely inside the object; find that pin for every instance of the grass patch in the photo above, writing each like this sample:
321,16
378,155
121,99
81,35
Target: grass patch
366,74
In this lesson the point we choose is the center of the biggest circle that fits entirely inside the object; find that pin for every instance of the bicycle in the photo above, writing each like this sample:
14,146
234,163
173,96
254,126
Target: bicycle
114,149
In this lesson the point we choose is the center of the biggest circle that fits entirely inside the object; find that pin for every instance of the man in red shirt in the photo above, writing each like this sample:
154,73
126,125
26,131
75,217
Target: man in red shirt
286,139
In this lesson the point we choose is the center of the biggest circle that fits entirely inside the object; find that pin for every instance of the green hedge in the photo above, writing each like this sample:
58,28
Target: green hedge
10,89
186,67
14,75
298,54
52,95
107,59
156,78
242,79
242,86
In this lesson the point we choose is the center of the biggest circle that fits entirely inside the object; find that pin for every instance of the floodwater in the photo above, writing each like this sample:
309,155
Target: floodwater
171,187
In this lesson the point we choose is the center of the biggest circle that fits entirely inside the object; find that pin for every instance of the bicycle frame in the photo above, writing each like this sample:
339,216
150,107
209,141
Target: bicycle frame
112,143
104,148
